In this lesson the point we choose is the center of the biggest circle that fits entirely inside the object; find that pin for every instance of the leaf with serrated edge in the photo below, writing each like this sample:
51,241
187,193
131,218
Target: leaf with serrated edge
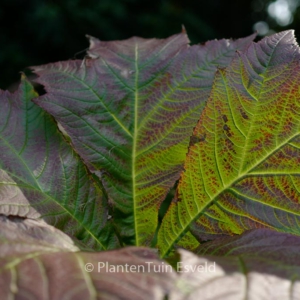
243,172
42,178
130,113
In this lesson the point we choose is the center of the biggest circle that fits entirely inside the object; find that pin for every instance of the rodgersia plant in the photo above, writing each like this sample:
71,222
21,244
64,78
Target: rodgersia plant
154,144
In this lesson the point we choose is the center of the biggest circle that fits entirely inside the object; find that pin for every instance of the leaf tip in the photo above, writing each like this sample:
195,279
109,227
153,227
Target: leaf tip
23,76
25,81
94,42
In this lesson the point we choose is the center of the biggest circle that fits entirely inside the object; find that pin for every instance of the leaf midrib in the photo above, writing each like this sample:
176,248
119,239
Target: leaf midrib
134,146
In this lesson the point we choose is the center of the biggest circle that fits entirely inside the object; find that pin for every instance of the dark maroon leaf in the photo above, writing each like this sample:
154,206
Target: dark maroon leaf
41,177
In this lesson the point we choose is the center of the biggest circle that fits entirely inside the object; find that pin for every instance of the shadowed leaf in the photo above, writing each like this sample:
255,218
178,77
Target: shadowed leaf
42,178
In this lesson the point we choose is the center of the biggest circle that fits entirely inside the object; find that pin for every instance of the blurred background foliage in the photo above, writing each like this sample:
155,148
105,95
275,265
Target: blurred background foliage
39,31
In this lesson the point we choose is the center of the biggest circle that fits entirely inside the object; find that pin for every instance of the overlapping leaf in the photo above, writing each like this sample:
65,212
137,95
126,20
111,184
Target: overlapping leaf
243,168
130,111
42,177
39,262
259,265
21,236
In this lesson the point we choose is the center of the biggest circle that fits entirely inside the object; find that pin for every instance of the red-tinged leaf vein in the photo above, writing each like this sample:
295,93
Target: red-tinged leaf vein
243,146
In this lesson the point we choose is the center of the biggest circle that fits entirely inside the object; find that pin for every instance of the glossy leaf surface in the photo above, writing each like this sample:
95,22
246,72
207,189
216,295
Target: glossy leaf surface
41,177
130,112
243,167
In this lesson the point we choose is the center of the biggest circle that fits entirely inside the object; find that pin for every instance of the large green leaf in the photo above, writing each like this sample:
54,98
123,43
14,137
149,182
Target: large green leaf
130,111
243,166
42,177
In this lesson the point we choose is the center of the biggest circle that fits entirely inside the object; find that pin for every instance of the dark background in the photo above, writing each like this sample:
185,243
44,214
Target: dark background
35,32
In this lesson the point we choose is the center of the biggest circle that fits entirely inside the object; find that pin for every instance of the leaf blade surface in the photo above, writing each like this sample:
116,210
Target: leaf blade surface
130,113
259,264
242,172
38,261
42,178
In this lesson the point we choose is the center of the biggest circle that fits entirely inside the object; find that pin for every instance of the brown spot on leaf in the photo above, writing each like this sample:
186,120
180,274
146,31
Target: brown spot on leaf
225,119
226,128
197,139
244,115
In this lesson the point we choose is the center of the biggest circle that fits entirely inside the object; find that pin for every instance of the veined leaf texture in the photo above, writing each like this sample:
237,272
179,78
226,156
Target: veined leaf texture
242,171
261,264
139,116
41,177
130,112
